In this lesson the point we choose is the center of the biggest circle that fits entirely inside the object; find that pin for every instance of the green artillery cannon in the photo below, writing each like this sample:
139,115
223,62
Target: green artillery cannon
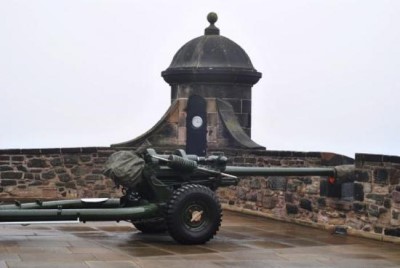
173,193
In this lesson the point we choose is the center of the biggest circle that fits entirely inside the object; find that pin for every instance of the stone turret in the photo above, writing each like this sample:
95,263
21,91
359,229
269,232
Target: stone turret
211,79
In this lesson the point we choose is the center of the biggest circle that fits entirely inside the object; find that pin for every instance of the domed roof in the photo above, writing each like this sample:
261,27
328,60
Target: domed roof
211,51
211,58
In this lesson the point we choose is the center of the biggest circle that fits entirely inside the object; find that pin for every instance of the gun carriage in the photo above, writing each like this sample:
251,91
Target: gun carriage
174,193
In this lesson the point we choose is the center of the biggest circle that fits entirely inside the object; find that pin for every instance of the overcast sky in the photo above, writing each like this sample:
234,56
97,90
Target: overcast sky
87,73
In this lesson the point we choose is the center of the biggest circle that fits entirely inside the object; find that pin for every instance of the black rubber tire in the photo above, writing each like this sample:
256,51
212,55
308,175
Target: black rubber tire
153,227
183,203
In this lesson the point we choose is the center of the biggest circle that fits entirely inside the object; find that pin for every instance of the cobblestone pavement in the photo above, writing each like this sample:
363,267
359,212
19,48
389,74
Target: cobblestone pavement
243,241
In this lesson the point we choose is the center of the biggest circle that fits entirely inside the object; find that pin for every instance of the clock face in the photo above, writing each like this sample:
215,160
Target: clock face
197,121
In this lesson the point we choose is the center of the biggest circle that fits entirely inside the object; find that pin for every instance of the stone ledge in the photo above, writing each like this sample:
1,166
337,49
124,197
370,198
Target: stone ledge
379,158
327,227
71,150
272,217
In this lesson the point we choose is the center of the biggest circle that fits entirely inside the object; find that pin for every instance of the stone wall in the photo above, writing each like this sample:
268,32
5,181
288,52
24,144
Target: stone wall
378,206
283,197
45,174
369,206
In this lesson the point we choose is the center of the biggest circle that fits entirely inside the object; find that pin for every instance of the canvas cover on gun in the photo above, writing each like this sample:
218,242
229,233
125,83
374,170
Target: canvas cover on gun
125,168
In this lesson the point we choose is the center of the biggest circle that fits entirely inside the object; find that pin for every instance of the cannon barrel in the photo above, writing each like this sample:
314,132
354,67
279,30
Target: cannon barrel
337,174
216,165
281,171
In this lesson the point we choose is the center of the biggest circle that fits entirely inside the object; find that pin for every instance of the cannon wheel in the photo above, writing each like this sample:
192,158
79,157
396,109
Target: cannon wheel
151,227
193,214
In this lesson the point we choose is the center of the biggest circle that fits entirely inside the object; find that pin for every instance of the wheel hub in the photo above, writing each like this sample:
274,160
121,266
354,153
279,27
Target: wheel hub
196,216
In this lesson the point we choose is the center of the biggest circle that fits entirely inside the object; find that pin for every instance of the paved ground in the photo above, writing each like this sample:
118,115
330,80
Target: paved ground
243,241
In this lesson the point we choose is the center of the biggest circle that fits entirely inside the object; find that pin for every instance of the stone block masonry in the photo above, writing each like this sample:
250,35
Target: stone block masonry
379,177
49,174
283,197
369,206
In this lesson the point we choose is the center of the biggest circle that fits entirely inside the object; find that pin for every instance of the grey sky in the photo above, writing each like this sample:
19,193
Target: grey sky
87,73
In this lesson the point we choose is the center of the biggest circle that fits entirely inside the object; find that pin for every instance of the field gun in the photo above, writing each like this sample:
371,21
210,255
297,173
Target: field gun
174,193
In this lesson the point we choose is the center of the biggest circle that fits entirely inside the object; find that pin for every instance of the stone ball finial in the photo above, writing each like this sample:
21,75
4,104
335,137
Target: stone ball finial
212,18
